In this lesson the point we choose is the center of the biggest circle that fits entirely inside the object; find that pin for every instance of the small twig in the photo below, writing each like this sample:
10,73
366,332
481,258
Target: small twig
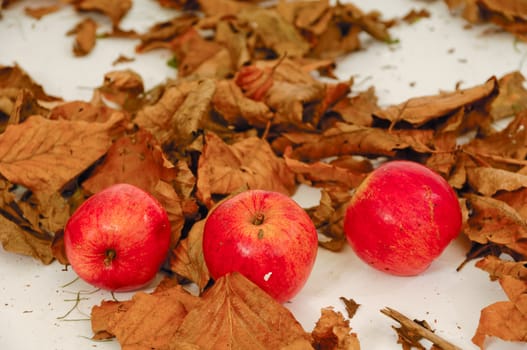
418,329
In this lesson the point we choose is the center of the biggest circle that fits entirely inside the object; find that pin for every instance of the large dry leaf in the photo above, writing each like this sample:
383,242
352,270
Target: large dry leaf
148,321
505,319
224,168
420,110
136,159
238,316
43,155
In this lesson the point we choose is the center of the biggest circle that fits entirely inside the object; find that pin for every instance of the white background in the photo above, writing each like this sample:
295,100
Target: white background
433,54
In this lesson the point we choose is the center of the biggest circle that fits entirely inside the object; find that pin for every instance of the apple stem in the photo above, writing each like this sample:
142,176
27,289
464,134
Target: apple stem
109,256
258,219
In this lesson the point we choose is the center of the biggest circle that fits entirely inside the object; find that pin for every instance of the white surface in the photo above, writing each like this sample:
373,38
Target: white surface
433,54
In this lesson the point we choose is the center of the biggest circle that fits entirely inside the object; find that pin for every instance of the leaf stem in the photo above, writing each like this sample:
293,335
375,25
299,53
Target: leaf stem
418,329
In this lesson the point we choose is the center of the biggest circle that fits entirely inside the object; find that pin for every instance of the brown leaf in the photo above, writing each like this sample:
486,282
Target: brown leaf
512,97
162,34
358,109
328,217
193,52
488,181
123,87
273,32
332,332
351,306
494,221
239,315
114,9
16,232
419,110
158,117
136,159
498,268
230,102
43,155
321,174
85,34
349,139
14,77
224,168
187,258
148,321
506,320
39,12
25,106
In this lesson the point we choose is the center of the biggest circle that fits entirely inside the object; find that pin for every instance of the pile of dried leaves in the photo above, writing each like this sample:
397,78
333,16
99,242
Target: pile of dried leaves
247,112
510,15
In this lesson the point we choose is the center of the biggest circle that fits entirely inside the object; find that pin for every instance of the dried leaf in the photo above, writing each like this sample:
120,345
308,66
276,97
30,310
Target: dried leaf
351,306
512,97
321,174
332,332
498,268
13,77
224,168
505,319
43,155
123,88
420,110
494,221
345,139
114,9
39,12
148,321
85,35
187,258
239,315
488,181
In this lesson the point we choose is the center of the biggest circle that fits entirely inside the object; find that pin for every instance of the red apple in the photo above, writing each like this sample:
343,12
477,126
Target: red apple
402,217
118,238
266,236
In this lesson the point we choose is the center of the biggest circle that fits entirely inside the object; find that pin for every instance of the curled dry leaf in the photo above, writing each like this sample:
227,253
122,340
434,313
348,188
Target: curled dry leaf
420,110
43,155
506,320
333,332
114,9
85,35
187,258
498,268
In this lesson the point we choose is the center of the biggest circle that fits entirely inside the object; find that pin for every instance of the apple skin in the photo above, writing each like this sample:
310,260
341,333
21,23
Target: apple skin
118,238
264,235
402,217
